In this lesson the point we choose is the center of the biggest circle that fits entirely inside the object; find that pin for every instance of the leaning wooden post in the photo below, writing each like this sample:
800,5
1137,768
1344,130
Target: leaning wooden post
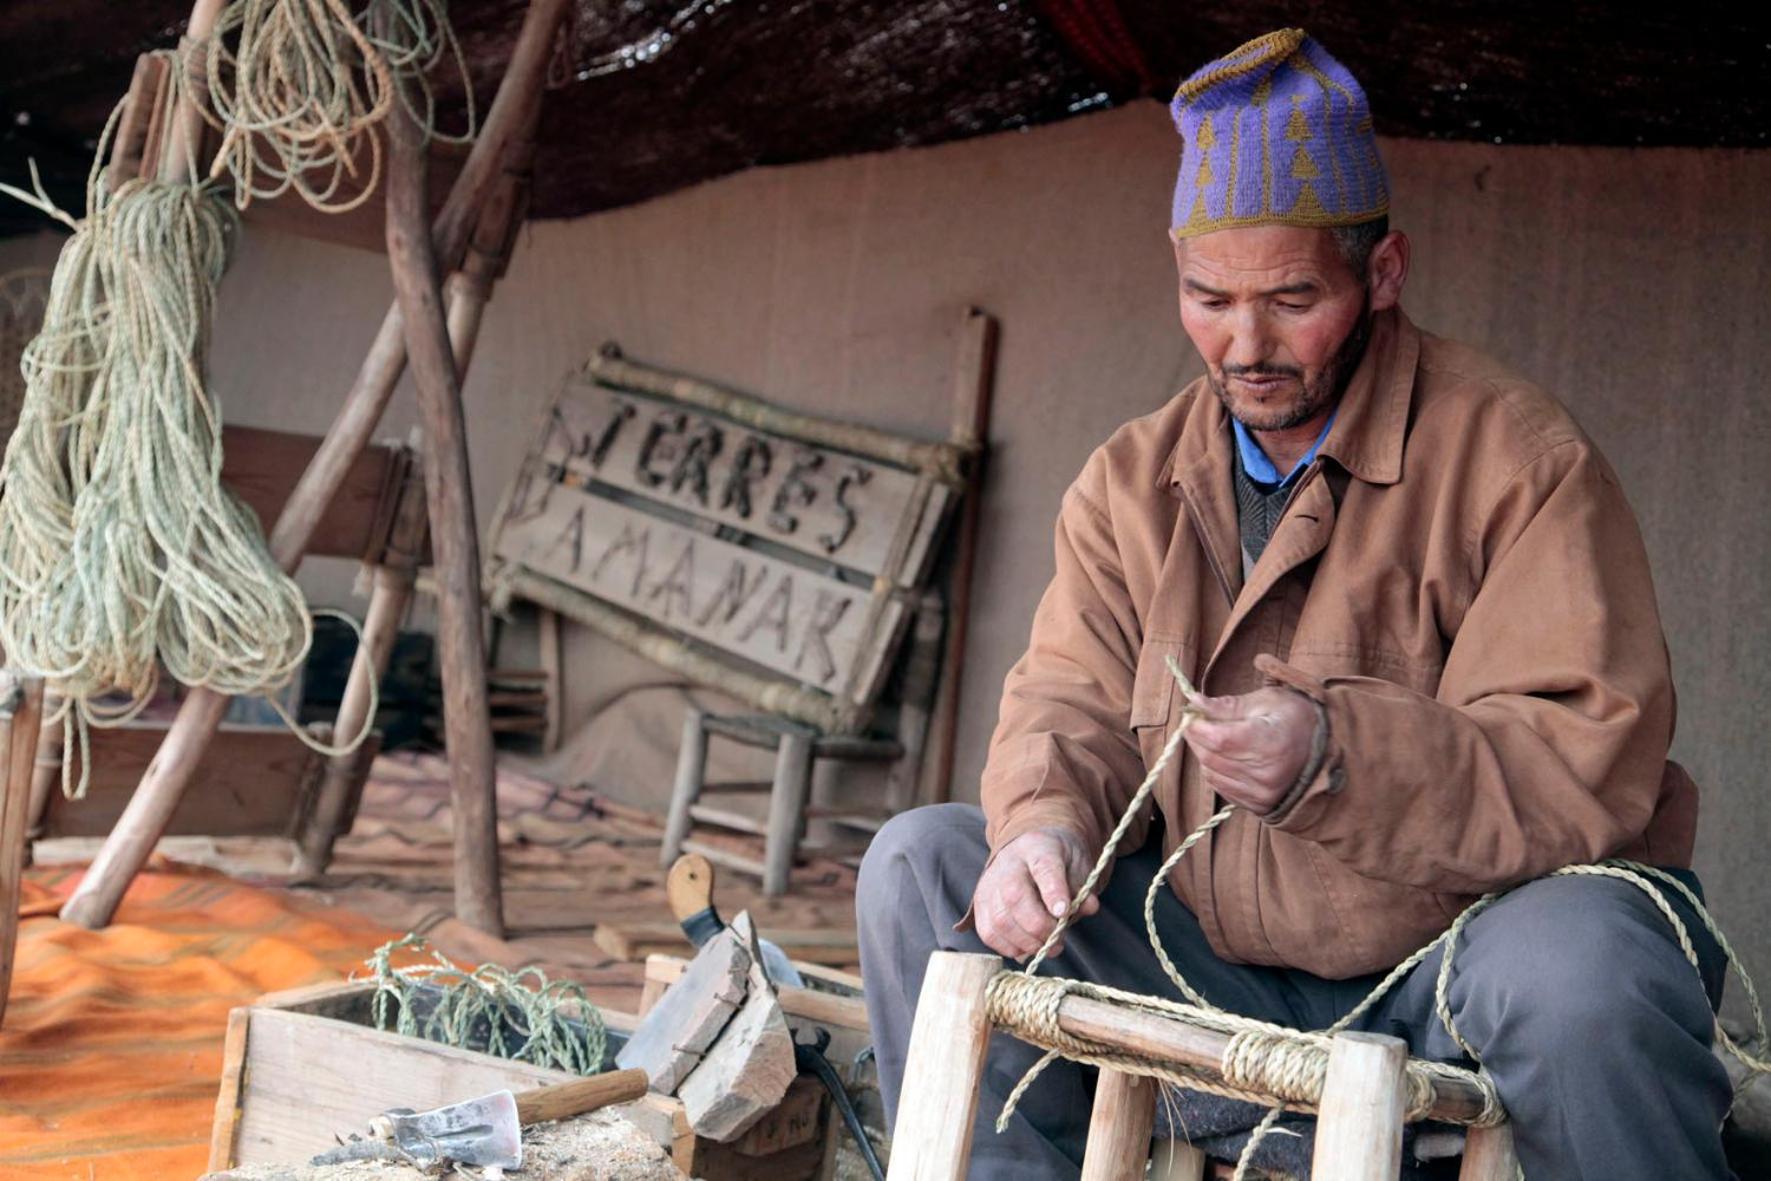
1489,1155
150,809
21,712
390,593
455,542
974,381
932,1139
1359,1121
1119,1127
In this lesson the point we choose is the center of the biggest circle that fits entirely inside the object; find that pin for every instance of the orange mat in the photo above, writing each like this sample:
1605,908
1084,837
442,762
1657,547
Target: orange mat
110,1053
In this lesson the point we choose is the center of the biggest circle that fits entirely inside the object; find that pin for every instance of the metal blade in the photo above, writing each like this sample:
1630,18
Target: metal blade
480,1131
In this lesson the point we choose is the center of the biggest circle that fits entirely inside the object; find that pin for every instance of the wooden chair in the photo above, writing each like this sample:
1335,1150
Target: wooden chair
1361,1102
798,749
377,517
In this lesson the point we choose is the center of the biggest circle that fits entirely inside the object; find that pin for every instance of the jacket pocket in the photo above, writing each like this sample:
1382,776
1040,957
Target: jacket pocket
1154,694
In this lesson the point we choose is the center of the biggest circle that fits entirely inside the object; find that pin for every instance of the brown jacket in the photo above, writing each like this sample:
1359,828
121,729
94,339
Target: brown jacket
1457,579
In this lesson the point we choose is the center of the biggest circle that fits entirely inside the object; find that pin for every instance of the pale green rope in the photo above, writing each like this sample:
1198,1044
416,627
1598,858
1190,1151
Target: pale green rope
519,1015
121,553
1627,871
299,89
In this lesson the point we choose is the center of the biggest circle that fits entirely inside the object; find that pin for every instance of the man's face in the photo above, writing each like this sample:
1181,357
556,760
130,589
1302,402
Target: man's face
1278,316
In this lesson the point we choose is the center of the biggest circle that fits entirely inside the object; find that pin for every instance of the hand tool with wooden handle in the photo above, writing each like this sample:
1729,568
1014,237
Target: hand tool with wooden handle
689,889
489,1130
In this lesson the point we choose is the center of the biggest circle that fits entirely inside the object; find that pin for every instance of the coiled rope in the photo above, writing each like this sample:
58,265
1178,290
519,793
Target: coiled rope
299,89
1265,1062
519,1015
120,551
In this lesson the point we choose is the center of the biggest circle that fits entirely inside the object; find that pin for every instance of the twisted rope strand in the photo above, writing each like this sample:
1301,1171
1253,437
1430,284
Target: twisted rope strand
1270,1064
120,550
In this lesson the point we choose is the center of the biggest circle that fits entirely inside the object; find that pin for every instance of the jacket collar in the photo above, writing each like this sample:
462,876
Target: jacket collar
1370,425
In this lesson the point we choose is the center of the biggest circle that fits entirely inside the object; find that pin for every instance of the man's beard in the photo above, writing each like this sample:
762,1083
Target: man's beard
1317,395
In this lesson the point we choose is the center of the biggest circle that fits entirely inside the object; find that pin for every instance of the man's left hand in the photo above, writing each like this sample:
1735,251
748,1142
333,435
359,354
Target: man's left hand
1251,749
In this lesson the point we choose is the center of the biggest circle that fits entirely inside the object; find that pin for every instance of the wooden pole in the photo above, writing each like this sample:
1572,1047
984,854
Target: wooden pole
21,713
1359,1125
1489,1155
455,544
787,809
184,130
1454,1100
691,773
974,381
1119,1128
150,809
390,594
932,1139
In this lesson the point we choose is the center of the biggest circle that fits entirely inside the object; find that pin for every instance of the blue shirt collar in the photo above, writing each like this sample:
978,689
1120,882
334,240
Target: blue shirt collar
1260,469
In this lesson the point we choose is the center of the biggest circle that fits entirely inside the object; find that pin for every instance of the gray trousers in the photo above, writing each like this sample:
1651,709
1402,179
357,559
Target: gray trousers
1590,1020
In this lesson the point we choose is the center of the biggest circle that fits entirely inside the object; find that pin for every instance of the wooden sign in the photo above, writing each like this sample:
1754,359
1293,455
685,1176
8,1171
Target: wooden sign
784,545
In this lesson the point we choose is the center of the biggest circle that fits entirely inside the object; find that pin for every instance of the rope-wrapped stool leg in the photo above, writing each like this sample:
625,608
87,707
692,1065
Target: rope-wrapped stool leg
1119,1127
1364,1102
1489,1155
932,1139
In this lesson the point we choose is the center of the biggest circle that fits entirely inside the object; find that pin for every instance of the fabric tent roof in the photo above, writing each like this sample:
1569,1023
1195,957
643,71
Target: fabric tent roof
747,82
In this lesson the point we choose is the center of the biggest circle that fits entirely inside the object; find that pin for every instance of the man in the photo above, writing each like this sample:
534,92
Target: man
1420,610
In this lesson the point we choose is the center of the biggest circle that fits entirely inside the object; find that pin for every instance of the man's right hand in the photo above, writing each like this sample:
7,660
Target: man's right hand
1027,888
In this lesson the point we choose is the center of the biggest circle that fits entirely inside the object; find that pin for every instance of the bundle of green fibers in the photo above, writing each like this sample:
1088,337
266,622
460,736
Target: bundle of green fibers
120,551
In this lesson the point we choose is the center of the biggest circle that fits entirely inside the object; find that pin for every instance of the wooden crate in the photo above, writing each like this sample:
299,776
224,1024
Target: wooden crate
303,1066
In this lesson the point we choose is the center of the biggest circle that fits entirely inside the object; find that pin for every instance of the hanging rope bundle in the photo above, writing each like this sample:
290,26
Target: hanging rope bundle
299,89
120,550
518,1015
1272,1050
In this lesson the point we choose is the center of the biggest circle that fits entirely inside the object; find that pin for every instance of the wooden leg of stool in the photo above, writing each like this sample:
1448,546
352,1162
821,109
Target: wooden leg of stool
932,1139
1176,1160
1119,1127
787,810
1489,1155
21,710
1359,1129
691,773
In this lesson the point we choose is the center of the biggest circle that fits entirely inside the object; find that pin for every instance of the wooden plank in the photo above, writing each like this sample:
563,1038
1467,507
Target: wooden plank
788,619
251,781
637,940
678,1030
829,505
839,1011
226,1128
749,1067
21,715
262,468
310,1078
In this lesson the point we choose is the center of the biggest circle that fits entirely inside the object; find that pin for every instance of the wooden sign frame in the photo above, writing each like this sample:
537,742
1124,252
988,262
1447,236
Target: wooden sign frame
771,554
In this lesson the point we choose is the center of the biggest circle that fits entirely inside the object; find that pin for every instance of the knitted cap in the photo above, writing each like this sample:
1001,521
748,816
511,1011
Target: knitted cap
1275,132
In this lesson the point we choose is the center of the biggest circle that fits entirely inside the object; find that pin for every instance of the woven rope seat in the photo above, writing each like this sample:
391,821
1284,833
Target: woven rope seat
1208,1050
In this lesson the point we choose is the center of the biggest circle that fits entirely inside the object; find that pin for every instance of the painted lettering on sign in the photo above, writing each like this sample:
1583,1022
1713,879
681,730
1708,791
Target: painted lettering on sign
833,506
793,620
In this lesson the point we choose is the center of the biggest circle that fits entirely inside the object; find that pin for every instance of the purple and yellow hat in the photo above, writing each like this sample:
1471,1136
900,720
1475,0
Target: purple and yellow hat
1275,132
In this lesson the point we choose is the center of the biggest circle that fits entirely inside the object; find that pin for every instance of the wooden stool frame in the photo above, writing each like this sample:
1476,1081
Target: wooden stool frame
1359,1120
